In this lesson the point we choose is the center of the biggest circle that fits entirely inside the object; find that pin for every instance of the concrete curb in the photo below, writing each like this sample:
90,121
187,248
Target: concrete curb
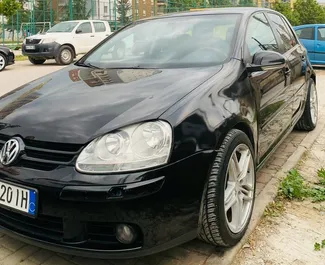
267,195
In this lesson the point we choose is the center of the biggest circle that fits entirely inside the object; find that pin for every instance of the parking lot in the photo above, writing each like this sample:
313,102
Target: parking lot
13,252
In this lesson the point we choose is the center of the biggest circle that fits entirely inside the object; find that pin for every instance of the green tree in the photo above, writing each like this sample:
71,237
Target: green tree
184,5
9,7
220,3
246,3
42,11
123,8
309,12
79,11
286,10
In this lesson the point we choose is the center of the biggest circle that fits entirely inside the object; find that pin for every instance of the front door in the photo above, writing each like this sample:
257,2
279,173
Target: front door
271,87
84,37
307,38
320,45
296,58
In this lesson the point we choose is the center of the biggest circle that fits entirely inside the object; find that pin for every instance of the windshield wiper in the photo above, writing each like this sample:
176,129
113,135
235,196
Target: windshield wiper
260,44
88,65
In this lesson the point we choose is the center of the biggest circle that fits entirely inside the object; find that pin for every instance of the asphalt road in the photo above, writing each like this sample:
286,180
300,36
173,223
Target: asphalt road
23,72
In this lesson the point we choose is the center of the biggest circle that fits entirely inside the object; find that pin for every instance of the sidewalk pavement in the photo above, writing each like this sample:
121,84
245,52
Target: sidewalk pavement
13,252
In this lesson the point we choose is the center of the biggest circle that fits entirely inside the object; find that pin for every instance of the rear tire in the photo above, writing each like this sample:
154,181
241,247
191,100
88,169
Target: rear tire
36,61
65,55
308,120
229,194
3,62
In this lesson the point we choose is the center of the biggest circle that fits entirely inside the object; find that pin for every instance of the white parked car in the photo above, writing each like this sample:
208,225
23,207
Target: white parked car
64,41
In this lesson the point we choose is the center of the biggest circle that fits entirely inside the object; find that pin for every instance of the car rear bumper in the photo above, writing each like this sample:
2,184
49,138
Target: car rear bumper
45,51
162,207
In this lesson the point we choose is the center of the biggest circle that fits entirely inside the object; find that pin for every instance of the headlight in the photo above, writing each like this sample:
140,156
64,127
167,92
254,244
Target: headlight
131,148
44,41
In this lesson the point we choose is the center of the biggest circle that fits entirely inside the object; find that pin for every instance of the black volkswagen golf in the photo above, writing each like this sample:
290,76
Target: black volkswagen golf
154,137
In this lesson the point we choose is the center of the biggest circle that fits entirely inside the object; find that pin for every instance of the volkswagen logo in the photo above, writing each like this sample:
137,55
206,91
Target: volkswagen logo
9,152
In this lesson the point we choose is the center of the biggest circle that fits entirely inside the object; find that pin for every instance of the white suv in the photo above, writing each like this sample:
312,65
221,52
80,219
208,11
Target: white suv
64,41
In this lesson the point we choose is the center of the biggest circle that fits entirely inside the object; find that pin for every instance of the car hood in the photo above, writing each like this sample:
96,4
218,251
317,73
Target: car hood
47,35
75,105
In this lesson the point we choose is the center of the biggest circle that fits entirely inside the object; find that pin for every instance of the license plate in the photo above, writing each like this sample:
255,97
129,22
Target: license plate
21,199
30,47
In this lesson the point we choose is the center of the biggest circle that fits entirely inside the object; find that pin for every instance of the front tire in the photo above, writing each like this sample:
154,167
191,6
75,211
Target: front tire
308,120
36,61
3,62
65,55
229,194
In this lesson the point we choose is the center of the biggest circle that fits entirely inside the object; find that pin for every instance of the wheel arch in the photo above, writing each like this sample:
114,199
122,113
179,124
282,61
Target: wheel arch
72,47
245,128
6,57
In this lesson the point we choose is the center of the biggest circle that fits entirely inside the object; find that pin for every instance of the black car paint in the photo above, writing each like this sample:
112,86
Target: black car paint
10,56
72,107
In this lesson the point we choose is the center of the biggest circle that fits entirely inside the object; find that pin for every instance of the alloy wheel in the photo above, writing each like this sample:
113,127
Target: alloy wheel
239,188
313,104
2,62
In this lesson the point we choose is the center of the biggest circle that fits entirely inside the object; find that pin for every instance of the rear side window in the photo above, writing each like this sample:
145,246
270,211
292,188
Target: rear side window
282,31
99,27
259,35
306,33
321,34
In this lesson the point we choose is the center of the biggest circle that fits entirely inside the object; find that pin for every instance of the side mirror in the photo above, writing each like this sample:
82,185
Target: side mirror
78,31
266,60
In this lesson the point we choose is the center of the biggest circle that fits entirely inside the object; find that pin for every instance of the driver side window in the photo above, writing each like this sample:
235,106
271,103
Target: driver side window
84,28
259,35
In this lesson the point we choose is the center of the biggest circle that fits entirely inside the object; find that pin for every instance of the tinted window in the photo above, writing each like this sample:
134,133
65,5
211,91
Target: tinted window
289,30
174,42
99,27
306,33
281,29
85,27
321,34
259,35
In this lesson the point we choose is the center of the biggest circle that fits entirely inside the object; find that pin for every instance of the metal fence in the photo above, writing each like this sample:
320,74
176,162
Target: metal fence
38,16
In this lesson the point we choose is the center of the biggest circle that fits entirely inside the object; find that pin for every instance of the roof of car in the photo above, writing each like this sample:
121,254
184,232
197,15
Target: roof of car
220,10
309,25
84,20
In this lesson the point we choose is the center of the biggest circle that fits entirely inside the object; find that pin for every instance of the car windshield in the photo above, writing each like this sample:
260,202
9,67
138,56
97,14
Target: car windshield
63,27
175,42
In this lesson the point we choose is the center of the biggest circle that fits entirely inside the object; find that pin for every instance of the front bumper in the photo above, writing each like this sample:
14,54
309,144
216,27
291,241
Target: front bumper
45,51
11,58
80,219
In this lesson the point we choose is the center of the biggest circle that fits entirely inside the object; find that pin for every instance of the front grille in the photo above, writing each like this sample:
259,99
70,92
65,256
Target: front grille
45,156
97,235
33,41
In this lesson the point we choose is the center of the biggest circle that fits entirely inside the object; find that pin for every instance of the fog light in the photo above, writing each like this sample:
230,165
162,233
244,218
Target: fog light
125,234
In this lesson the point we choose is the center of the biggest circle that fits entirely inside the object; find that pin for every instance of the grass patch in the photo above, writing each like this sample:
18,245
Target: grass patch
294,187
321,176
319,246
21,58
274,209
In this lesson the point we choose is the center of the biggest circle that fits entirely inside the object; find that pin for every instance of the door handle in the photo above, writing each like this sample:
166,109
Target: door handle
92,36
287,70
